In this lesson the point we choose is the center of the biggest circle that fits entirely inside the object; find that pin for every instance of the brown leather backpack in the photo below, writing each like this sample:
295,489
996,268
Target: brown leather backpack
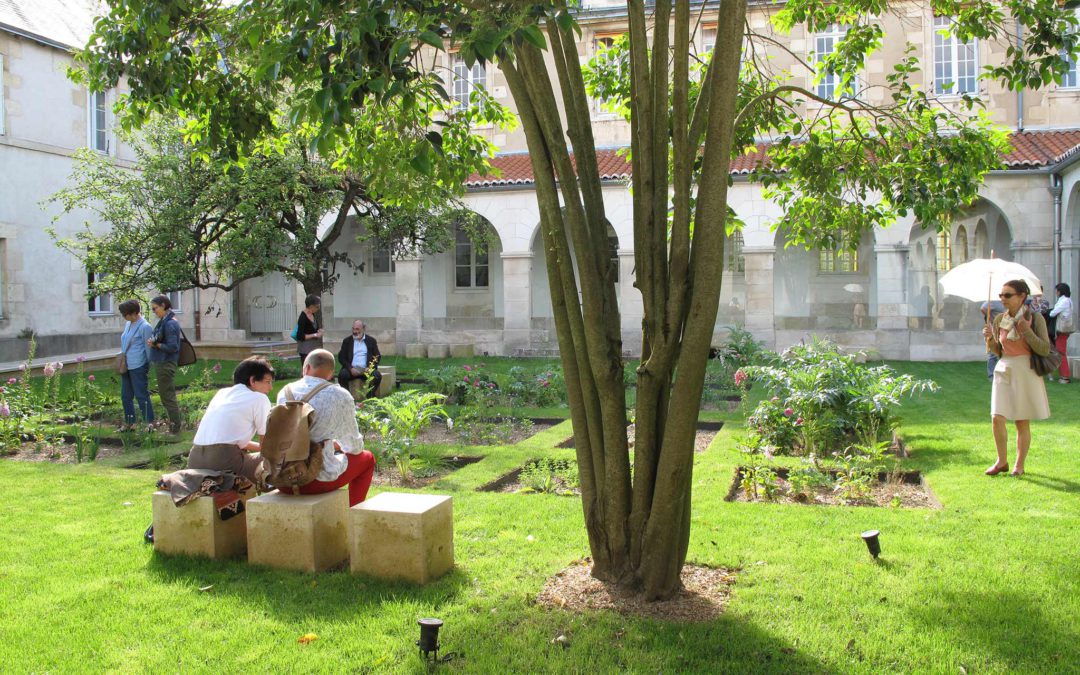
292,460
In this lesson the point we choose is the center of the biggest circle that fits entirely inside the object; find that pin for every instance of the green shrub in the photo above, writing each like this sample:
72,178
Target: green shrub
551,476
398,419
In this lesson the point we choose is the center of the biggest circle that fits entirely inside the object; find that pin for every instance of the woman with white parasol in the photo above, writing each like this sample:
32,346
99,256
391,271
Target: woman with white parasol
1018,394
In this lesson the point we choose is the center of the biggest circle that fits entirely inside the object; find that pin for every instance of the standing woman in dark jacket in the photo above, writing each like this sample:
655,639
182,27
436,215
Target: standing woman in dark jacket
308,331
165,355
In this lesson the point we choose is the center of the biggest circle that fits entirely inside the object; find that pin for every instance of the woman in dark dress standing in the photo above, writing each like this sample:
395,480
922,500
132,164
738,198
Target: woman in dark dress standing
308,332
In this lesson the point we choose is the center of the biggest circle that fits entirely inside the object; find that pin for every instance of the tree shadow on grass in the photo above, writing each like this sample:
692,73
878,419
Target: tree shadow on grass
332,595
1052,482
1007,629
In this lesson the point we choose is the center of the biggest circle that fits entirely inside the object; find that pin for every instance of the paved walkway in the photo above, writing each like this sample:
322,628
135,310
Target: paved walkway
103,359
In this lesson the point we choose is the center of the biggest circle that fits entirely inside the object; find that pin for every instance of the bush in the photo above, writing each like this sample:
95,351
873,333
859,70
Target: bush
822,400
551,476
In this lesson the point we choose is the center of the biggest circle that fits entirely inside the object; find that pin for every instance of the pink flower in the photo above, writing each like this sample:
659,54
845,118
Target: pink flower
22,366
491,385
468,369
59,365
788,412
12,380
767,452
217,368
2,390
774,399
546,384
5,411
740,377
49,370
476,384
91,378
80,358
465,379
799,422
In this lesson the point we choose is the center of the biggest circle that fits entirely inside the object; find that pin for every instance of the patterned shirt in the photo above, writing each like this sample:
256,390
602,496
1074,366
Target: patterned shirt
335,420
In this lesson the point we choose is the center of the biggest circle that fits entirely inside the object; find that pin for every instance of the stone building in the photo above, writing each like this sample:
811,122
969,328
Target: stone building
884,297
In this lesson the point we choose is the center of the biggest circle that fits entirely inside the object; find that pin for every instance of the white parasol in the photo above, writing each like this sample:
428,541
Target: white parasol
981,278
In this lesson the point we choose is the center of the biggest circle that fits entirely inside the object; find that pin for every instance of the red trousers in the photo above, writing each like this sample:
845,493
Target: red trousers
1060,342
358,475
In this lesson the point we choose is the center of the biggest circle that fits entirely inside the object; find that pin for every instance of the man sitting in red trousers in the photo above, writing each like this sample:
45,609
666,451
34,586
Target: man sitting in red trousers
344,459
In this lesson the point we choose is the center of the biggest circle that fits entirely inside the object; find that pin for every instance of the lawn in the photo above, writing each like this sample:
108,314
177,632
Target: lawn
989,583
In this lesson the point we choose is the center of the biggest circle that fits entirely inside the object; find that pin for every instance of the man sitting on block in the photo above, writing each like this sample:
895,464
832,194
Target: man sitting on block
359,358
344,459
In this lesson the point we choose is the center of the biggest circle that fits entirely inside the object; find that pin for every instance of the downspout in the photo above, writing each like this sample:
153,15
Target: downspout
198,317
1020,91
1055,190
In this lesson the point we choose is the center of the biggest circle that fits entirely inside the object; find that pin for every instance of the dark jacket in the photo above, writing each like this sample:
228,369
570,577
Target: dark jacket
167,338
345,355
306,326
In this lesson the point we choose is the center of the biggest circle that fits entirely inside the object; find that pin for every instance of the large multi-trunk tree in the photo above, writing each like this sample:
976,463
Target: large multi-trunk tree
858,163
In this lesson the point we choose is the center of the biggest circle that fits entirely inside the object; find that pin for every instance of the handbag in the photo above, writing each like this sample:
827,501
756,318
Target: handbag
295,334
1065,323
1046,365
121,359
187,354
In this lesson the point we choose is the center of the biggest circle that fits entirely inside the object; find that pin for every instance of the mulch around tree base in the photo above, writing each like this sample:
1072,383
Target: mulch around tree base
703,597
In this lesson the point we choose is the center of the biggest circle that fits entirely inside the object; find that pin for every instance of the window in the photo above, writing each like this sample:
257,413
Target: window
960,247
944,252
839,260
99,139
708,39
99,304
602,41
176,299
382,262
734,261
1067,80
955,63
824,44
470,262
466,79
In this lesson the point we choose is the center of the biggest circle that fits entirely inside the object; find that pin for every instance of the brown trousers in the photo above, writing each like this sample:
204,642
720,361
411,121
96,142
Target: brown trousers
227,457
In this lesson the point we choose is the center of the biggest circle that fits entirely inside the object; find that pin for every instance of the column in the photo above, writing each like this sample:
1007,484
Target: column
760,311
891,280
410,301
517,301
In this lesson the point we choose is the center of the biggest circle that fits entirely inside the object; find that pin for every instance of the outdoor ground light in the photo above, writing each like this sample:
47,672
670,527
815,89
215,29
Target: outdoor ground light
872,543
429,637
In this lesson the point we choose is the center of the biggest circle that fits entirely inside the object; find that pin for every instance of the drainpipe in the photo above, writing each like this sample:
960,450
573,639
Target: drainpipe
198,317
1055,191
1020,92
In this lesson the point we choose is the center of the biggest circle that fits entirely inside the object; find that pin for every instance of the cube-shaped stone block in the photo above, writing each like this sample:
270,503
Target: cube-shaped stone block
402,536
438,351
416,351
389,380
196,529
462,350
299,532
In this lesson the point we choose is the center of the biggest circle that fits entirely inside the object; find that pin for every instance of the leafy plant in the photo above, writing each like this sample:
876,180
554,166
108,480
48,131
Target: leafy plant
807,479
397,420
760,481
550,476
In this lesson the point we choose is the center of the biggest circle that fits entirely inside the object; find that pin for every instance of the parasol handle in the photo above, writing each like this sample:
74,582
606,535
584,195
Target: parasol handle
989,292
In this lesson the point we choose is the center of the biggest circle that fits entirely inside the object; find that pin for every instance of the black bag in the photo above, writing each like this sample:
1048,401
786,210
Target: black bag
187,352
1046,365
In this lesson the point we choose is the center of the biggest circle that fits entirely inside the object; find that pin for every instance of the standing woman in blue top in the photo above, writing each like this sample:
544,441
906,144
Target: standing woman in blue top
134,384
164,347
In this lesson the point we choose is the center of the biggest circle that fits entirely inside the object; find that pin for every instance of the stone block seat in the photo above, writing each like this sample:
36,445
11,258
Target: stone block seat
196,529
462,350
438,351
386,385
416,350
298,532
402,536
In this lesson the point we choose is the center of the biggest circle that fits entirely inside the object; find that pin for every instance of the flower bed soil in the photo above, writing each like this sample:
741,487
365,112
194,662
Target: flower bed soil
438,434
909,486
59,453
388,475
706,432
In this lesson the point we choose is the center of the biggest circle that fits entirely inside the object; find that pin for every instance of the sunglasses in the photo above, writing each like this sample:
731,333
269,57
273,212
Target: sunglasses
1006,296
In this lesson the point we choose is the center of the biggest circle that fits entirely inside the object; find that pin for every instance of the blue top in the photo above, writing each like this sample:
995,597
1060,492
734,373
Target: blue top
133,343
167,337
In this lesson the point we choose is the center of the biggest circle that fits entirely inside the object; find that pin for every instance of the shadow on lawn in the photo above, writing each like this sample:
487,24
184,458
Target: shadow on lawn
1008,627
336,595
1052,482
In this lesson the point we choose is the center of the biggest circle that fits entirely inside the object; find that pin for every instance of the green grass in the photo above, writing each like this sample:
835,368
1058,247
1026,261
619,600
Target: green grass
990,583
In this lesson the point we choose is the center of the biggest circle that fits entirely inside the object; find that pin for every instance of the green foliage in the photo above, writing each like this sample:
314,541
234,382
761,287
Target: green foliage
760,481
474,425
822,399
806,479
397,420
859,469
475,385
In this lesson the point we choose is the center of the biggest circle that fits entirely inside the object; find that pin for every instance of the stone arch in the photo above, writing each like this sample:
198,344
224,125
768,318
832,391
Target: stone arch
462,287
538,277
982,240
960,246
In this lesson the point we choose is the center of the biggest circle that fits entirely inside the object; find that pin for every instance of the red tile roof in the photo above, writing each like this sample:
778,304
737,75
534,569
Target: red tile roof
1031,150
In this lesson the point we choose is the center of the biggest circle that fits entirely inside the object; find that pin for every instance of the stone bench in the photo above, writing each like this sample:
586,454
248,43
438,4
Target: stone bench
386,385
416,351
438,351
463,350
298,532
402,536
196,529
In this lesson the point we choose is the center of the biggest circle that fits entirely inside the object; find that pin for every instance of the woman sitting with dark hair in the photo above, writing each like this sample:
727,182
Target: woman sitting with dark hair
235,415
1018,393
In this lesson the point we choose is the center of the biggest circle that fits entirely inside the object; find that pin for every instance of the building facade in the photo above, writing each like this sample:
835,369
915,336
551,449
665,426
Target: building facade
884,297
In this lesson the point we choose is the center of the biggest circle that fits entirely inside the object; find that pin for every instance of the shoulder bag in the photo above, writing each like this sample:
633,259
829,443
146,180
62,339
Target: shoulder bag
187,352
121,358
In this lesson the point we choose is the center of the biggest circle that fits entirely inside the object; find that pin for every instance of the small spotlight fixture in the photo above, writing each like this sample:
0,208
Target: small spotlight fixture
429,637
872,543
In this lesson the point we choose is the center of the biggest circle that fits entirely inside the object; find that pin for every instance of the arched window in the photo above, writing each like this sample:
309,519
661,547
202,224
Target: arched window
734,261
960,246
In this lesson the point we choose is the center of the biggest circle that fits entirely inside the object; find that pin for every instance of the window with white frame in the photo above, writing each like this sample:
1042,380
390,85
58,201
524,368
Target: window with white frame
1069,79
824,44
382,260
99,304
470,262
944,252
466,79
176,299
708,39
99,132
839,260
734,260
956,63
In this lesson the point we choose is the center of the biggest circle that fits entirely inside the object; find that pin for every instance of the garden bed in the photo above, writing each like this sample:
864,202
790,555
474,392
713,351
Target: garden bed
388,475
706,432
905,489
560,483
59,453
438,434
